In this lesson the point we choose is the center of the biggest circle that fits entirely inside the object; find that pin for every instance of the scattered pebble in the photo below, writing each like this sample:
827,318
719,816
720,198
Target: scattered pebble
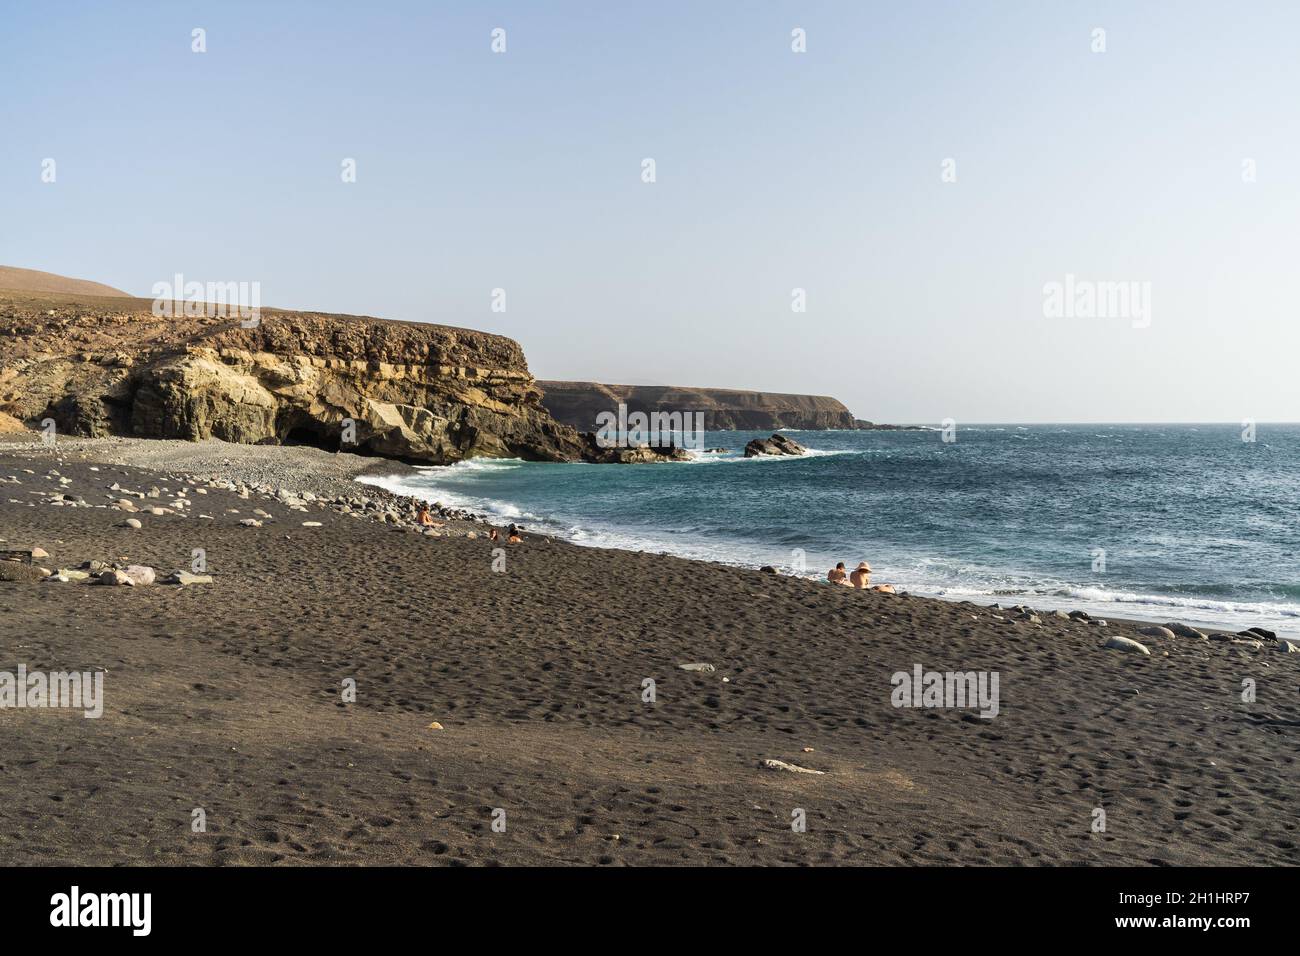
789,767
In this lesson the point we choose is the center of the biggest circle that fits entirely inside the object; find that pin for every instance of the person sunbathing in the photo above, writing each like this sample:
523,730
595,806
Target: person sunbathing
837,574
861,579
424,517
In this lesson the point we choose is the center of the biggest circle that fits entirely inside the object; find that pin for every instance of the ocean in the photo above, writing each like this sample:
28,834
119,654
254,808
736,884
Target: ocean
1162,522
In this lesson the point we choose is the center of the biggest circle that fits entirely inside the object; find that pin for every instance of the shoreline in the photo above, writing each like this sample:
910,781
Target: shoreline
339,475
522,688
1197,616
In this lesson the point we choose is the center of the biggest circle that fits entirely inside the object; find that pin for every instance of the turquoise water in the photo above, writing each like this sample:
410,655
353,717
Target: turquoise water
1196,524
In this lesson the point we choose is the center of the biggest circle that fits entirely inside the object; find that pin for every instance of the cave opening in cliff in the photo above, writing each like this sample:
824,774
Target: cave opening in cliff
312,437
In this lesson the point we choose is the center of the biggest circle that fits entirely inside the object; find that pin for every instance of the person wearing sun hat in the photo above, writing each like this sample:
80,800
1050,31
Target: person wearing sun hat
861,576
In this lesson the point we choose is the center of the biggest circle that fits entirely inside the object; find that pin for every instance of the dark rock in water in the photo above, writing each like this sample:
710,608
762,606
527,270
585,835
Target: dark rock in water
861,425
768,569
632,455
776,445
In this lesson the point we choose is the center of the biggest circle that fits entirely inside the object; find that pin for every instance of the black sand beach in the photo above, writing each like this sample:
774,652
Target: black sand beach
228,697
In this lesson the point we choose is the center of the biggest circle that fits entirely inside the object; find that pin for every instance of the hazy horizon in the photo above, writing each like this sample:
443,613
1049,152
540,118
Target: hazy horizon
1165,167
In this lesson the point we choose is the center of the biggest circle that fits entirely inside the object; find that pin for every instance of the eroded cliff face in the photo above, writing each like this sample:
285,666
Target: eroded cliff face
578,404
424,393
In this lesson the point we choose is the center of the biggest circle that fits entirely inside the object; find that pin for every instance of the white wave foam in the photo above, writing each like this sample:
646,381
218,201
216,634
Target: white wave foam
1101,595
472,465
403,485
919,574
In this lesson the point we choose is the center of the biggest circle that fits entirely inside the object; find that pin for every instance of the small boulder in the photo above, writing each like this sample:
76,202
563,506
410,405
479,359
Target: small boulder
699,668
13,571
131,523
1117,643
1155,630
776,445
140,574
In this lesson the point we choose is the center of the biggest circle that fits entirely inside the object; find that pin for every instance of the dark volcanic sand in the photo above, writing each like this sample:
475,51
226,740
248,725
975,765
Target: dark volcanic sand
227,697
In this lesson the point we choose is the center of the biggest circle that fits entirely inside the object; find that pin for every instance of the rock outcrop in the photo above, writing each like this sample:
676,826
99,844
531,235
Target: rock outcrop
417,392
578,404
776,445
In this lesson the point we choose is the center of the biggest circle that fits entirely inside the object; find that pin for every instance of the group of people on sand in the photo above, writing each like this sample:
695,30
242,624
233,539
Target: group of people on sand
859,577
514,532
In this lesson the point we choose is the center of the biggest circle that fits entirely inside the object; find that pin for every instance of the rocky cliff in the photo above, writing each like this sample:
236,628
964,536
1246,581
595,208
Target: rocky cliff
423,393
578,404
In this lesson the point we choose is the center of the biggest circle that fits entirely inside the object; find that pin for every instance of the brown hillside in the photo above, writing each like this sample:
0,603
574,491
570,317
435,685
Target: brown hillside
31,280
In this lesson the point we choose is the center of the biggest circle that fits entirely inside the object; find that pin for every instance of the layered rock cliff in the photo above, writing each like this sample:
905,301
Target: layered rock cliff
578,404
424,393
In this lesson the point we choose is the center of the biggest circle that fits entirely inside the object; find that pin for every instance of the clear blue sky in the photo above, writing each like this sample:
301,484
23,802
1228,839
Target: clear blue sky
775,170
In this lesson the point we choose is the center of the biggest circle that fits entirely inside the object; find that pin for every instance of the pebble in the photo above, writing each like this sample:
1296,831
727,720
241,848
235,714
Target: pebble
789,767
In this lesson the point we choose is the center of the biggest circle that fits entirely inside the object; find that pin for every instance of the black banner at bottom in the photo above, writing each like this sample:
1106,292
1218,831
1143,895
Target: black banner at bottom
341,904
